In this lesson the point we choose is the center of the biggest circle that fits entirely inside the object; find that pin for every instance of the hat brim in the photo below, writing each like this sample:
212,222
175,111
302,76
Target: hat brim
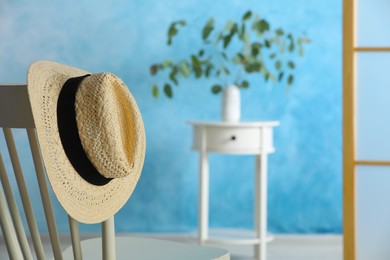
83,201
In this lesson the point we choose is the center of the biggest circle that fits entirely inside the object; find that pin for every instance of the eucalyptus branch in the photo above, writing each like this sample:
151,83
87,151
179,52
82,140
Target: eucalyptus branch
253,43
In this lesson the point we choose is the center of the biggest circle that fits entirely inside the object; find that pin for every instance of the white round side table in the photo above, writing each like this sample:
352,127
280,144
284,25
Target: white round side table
252,138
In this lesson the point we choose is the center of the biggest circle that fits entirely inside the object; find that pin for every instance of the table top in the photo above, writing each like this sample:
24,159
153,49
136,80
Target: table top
235,124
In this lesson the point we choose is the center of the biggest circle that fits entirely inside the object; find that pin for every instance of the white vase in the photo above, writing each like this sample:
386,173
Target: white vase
231,104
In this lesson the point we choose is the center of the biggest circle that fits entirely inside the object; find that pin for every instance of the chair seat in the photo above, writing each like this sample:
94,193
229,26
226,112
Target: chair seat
139,248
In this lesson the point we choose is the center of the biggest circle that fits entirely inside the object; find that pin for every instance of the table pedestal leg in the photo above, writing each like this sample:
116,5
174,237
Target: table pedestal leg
261,206
203,193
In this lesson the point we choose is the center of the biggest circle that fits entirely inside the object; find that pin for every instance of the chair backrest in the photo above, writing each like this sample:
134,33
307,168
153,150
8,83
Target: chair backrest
15,112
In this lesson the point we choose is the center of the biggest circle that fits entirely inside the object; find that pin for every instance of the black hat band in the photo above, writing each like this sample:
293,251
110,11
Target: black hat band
69,134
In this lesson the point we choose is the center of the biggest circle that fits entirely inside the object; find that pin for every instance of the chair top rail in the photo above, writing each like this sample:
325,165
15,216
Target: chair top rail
14,100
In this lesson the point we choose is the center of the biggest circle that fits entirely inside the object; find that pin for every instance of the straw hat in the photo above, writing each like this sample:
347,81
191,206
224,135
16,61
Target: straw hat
91,136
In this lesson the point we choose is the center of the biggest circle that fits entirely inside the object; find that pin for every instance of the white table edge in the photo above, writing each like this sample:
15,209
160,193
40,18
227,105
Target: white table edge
233,124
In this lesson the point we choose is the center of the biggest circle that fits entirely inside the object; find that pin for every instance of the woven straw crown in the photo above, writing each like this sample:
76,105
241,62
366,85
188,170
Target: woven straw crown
104,123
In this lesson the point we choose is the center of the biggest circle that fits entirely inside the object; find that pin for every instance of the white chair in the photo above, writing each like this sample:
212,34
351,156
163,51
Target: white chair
15,112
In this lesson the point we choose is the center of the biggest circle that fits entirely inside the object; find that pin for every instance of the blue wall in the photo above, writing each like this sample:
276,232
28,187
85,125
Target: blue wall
125,37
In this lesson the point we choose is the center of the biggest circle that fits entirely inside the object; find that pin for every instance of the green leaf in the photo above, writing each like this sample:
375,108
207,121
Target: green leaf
278,65
153,69
216,89
208,28
155,91
253,66
224,55
291,47
168,90
166,63
196,66
195,60
181,22
172,31
255,48
267,76
234,29
198,72
272,56
258,65
172,75
225,71
247,15
210,22
267,43
279,32
245,84
229,25
219,37
280,77
226,41
200,53
228,38
261,26
208,70
264,25
185,69
290,80
291,65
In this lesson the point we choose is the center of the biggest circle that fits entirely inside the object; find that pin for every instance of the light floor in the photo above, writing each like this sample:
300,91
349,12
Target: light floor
284,247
